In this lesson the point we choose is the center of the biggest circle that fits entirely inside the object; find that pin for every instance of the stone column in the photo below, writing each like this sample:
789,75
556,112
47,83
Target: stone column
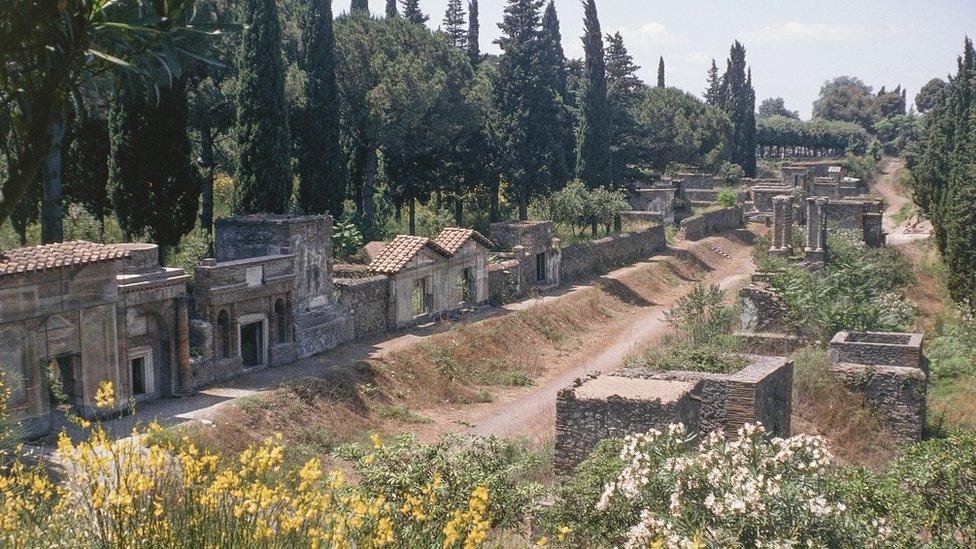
816,229
782,225
185,383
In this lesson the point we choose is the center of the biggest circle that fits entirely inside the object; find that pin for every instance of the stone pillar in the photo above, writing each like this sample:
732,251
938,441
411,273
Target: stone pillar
816,247
782,226
185,383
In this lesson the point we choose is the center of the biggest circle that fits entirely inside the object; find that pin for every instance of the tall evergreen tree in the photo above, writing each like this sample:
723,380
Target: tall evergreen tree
153,184
593,151
555,75
264,179
627,153
660,72
713,93
358,5
454,25
474,34
391,9
316,128
738,99
412,13
525,105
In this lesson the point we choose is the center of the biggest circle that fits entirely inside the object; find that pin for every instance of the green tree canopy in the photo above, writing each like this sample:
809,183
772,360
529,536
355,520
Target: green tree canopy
845,98
775,106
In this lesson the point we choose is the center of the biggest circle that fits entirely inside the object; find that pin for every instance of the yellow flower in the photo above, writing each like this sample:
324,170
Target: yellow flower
377,441
543,541
105,395
564,532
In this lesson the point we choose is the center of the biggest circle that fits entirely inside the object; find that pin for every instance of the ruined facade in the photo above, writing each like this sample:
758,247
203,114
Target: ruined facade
657,199
815,251
61,310
890,370
157,344
532,244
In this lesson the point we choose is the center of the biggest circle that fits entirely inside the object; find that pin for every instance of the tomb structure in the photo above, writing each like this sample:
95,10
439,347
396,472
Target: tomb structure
157,345
891,371
61,316
816,238
634,401
532,244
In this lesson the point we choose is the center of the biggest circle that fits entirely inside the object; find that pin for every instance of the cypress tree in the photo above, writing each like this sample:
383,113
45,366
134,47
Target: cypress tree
593,152
358,5
85,161
454,25
412,13
316,136
264,179
474,33
391,9
626,135
555,75
525,105
660,72
713,93
738,99
153,183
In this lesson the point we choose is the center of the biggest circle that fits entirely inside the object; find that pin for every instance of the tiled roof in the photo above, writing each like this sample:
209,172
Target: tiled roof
400,251
452,238
51,256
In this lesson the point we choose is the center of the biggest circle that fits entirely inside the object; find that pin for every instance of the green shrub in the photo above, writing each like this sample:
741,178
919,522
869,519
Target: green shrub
702,315
727,197
716,358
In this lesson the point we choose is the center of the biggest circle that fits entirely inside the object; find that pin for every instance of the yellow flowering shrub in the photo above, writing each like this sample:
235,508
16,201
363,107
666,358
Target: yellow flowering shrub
137,493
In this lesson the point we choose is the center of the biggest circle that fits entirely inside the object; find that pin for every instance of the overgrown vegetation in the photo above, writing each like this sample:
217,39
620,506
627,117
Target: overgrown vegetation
859,289
653,489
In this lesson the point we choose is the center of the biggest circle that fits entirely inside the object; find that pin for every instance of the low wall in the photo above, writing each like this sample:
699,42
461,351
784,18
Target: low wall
707,224
367,301
638,217
599,256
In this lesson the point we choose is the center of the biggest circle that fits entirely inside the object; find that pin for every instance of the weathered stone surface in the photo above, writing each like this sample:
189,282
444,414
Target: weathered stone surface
897,393
603,407
707,224
631,401
604,254
762,309
890,370
504,281
367,301
530,242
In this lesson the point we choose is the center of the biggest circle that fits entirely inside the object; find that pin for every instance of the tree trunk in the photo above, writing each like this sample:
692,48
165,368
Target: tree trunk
412,209
493,183
52,224
358,173
207,162
523,201
369,182
459,209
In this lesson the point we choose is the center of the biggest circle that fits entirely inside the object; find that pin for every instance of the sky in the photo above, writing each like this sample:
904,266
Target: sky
793,47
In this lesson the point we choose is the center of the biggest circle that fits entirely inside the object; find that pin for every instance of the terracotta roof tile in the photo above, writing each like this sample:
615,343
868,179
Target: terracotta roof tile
61,254
453,238
398,253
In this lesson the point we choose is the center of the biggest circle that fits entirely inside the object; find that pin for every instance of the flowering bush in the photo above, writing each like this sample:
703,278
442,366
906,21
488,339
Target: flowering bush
747,491
127,494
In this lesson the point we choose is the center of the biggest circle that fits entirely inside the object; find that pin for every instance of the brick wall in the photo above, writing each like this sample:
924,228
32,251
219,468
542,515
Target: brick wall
897,394
366,300
504,281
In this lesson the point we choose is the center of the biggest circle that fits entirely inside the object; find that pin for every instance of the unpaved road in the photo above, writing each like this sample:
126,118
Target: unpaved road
910,229
530,411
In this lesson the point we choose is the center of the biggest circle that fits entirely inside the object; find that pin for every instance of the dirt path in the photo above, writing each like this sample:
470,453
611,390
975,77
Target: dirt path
910,228
530,411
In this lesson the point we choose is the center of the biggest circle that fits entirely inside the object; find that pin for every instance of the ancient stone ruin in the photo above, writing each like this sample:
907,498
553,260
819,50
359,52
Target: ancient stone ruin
633,401
891,371
782,245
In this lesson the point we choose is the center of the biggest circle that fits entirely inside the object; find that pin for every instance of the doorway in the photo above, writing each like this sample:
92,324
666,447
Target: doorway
252,344
69,373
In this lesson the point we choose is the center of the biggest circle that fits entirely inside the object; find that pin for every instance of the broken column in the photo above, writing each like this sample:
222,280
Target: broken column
782,226
816,248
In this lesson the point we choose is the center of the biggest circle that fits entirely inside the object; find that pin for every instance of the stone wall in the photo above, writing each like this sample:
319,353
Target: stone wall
761,392
890,370
707,224
367,301
611,406
601,255
896,393
504,281
636,217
